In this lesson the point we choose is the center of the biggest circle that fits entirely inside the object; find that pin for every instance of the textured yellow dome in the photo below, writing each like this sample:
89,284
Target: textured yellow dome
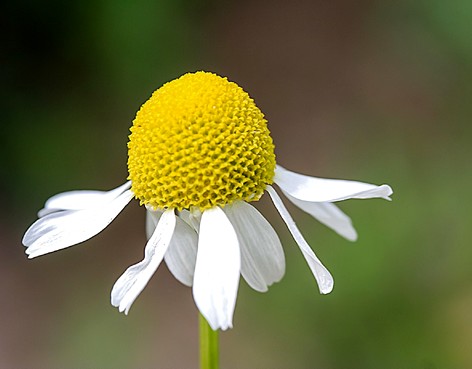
199,141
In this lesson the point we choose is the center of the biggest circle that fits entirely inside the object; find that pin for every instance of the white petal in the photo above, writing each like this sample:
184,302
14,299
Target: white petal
135,278
262,256
215,284
328,214
315,189
152,218
78,200
182,253
322,275
69,227
192,218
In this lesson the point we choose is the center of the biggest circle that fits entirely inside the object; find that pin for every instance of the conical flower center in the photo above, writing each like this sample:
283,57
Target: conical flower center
199,141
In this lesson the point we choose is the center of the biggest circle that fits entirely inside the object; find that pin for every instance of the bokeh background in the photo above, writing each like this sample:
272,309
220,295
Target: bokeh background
378,91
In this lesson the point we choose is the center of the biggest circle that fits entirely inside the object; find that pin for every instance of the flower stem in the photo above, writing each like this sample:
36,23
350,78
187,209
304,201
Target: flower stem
209,352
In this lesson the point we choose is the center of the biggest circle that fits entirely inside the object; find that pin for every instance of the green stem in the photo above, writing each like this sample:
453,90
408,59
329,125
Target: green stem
208,345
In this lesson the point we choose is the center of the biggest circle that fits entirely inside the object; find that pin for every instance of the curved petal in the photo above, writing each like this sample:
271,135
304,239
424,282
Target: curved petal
262,256
182,253
328,214
322,275
79,200
215,284
69,227
314,189
135,278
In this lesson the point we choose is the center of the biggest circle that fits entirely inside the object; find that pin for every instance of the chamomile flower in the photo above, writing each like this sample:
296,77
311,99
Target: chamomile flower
199,153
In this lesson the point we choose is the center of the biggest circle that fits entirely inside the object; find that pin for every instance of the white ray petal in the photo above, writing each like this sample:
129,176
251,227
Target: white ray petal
182,253
152,218
192,218
314,189
69,227
217,270
322,275
262,256
185,216
328,214
135,278
81,199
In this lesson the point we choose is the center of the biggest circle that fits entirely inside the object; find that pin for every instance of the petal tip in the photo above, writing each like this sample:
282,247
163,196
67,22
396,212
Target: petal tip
387,192
326,287
351,235
352,238
25,242
224,326
32,253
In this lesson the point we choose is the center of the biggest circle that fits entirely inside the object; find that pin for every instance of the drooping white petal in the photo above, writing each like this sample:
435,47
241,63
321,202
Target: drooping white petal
81,199
182,253
135,278
262,256
322,275
152,218
308,188
69,227
328,214
217,270
192,218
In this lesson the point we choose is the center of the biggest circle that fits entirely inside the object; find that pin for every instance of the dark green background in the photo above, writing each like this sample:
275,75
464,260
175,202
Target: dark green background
373,91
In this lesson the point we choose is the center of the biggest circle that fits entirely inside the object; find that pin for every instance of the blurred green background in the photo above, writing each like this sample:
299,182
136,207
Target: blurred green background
378,91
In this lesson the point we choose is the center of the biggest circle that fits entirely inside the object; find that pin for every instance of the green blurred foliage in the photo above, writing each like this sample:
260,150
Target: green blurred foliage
393,86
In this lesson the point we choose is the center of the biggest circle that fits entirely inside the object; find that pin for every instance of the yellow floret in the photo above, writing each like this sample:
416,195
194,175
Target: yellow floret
199,141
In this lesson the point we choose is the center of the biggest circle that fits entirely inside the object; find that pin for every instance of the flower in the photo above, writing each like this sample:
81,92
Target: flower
199,153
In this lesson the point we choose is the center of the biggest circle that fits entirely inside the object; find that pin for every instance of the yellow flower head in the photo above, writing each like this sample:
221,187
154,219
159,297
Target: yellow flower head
200,141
